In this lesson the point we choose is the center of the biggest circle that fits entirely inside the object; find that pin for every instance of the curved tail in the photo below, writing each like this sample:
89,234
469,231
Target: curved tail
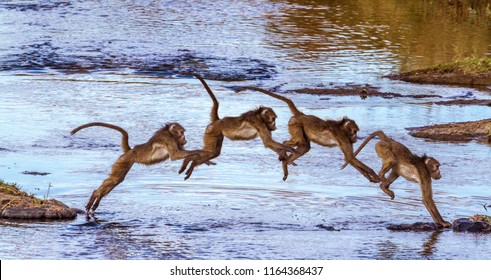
124,141
288,101
214,108
379,133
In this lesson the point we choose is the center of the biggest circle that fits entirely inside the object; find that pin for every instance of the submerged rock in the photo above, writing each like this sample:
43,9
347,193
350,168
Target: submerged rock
35,173
477,223
358,90
420,226
328,228
15,204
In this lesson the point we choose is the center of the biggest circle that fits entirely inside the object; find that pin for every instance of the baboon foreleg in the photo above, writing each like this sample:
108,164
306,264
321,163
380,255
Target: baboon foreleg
431,207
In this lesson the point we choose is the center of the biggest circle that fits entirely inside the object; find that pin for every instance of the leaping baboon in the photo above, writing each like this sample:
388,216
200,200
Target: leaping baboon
399,159
258,122
167,142
329,133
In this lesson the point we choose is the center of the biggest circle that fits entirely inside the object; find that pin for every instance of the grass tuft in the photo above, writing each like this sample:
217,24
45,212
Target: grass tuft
469,65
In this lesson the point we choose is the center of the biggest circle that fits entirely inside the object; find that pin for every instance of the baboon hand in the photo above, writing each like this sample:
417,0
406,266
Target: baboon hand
282,155
372,177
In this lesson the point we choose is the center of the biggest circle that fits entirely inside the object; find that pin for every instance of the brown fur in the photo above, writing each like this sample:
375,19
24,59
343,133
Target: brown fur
399,159
258,122
329,133
167,142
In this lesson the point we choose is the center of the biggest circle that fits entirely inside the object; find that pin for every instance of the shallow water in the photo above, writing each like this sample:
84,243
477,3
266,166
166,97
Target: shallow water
68,63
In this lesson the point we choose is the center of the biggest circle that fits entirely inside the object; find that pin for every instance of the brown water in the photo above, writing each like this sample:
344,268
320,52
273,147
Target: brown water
67,63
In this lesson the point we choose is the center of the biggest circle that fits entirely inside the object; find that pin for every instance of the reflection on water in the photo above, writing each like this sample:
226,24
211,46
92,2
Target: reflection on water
67,63
430,245
379,36
317,41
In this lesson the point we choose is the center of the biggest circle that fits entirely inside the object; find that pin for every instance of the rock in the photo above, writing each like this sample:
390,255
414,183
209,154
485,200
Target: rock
15,204
328,228
472,224
420,226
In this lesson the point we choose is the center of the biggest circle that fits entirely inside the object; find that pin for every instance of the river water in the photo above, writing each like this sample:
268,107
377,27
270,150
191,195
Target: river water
65,63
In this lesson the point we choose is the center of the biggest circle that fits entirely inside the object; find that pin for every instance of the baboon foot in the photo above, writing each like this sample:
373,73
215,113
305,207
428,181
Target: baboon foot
184,165
189,171
385,188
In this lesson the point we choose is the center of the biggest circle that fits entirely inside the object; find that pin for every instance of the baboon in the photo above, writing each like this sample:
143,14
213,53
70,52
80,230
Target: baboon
258,122
167,142
329,133
399,159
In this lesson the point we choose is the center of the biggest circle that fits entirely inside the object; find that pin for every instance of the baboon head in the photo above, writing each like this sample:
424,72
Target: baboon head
177,132
350,128
433,167
268,116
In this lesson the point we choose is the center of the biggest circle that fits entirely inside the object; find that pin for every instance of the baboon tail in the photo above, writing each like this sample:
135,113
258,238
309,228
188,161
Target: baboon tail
288,101
214,109
124,141
379,133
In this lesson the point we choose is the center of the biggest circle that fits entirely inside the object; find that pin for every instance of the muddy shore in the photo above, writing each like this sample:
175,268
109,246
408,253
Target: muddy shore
471,71
434,77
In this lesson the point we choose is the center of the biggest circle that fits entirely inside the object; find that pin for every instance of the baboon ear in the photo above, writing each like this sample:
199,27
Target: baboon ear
172,126
264,112
347,122
429,160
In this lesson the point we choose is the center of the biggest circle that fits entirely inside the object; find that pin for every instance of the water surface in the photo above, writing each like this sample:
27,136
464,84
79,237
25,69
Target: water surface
65,63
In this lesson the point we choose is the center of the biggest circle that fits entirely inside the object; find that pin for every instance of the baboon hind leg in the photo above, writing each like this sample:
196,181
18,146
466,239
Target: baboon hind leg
384,186
205,156
388,159
301,150
118,172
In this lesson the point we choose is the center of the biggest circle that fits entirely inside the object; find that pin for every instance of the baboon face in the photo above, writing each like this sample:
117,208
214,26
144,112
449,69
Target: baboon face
178,132
269,118
351,129
433,167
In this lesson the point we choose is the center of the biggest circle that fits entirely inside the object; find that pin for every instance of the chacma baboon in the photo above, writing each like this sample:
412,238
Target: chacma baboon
167,142
399,159
259,122
329,133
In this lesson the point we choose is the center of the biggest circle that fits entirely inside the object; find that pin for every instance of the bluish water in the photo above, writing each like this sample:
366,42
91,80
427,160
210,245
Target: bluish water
68,63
